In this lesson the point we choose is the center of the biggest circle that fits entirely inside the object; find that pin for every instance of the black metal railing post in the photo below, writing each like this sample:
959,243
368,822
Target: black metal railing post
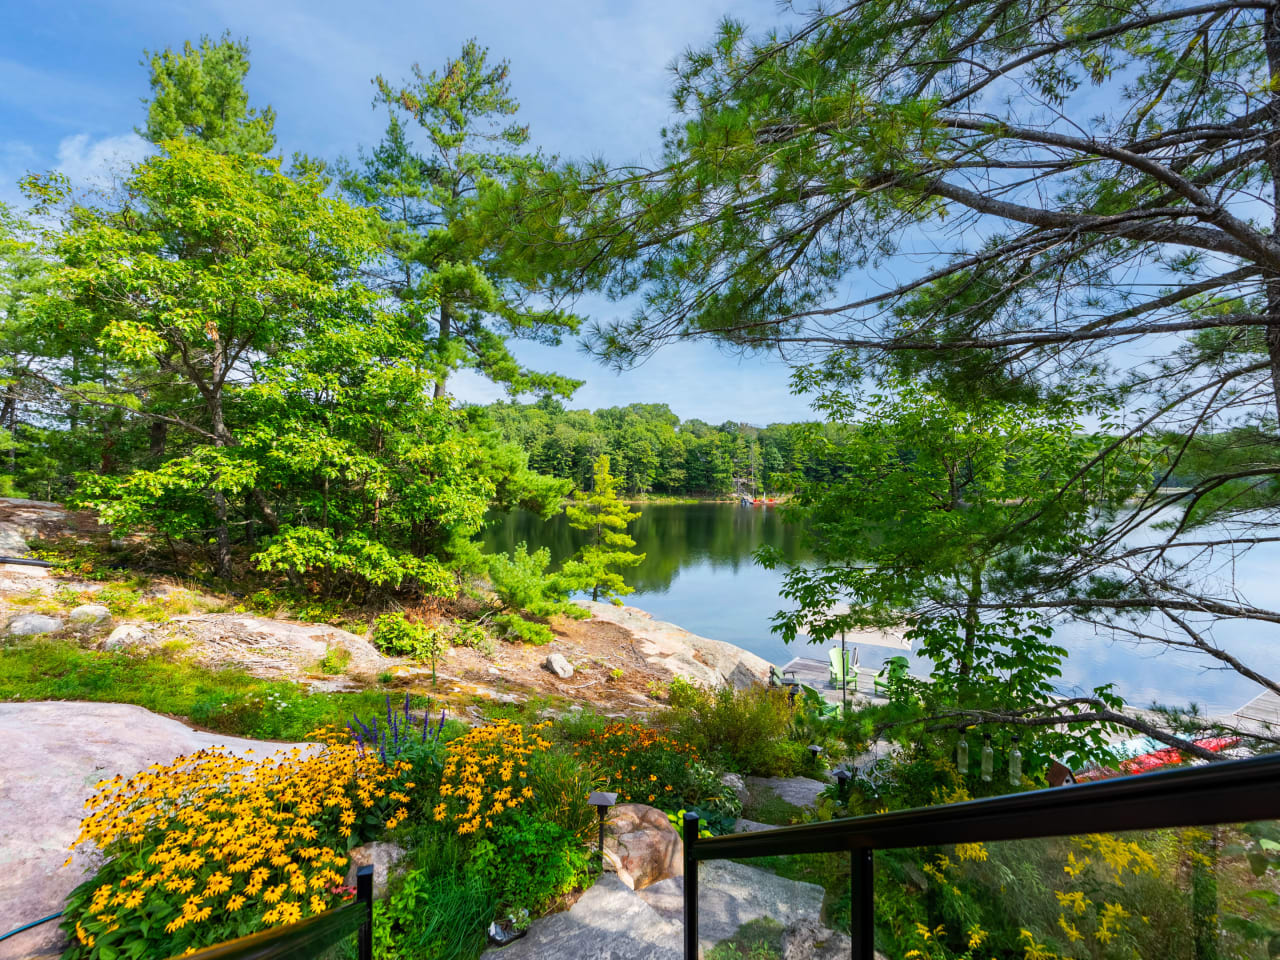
862,893
364,895
690,887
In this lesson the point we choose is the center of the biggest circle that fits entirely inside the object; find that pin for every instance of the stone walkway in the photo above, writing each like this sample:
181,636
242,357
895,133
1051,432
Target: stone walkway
613,922
54,754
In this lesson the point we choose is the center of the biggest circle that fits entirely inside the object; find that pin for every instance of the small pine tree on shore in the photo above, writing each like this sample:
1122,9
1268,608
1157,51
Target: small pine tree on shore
605,517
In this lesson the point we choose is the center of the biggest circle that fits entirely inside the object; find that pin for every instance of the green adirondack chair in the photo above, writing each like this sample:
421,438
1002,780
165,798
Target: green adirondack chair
844,670
892,673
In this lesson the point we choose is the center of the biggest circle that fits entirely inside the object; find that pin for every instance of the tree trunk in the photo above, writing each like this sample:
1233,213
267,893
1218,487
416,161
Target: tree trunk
157,435
971,619
1271,280
446,330
221,537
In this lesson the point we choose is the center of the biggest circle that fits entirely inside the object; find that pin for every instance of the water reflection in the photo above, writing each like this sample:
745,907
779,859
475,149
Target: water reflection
698,572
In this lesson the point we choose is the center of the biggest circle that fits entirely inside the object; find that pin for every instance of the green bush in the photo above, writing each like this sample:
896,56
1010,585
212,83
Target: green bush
749,730
561,784
521,582
512,626
530,864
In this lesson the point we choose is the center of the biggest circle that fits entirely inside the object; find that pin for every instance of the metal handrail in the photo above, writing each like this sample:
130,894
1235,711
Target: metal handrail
1233,791
307,938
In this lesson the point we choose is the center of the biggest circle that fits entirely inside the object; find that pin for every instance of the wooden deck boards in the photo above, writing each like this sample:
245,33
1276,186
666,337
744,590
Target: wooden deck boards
1264,708
817,674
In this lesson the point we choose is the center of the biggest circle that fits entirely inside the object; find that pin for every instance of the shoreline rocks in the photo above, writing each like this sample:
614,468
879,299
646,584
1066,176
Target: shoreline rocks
684,654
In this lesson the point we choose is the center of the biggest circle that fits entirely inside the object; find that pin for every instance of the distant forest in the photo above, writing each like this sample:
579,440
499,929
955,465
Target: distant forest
657,452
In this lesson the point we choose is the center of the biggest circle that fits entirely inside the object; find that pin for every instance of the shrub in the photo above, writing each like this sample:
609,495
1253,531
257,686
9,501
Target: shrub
644,766
748,730
398,637
561,784
521,582
512,626
214,846
530,863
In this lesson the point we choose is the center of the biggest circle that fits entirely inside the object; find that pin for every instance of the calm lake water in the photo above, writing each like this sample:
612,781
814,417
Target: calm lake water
698,572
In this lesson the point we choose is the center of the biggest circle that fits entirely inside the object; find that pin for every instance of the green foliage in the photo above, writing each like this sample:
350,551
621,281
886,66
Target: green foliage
397,636
605,517
198,93
516,628
521,582
530,864
652,452
450,142
436,910
561,784
226,701
748,730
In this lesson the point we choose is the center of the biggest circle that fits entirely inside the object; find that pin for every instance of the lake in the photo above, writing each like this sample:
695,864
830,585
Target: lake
698,572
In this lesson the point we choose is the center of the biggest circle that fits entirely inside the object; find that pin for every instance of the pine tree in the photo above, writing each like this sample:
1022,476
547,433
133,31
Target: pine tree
605,517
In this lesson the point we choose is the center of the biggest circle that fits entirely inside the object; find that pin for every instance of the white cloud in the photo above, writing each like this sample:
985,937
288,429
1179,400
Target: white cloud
97,164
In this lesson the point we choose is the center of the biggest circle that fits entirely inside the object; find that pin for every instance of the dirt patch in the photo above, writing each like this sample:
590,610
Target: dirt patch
609,671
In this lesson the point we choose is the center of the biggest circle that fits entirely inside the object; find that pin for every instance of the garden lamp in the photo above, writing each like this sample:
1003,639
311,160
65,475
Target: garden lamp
814,750
842,783
602,802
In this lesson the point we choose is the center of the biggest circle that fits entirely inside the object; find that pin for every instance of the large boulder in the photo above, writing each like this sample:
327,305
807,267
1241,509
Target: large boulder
609,922
798,791
29,624
383,857
90,615
54,753
124,636
684,654
642,846
558,665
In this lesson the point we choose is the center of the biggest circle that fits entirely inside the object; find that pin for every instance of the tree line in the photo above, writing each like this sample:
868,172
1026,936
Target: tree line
653,451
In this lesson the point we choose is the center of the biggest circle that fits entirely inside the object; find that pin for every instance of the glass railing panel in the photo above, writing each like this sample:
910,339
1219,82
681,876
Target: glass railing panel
1208,893
769,907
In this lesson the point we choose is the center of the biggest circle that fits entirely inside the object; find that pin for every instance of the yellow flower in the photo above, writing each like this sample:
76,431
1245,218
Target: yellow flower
235,903
177,923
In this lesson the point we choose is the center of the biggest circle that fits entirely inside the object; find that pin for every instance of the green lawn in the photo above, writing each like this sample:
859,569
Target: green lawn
226,701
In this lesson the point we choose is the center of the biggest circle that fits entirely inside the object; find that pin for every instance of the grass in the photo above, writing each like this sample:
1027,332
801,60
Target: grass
225,701
766,806
755,940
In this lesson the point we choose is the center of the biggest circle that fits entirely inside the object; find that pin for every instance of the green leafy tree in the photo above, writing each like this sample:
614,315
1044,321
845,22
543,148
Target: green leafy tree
605,518
212,262
939,509
198,93
449,275
1100,197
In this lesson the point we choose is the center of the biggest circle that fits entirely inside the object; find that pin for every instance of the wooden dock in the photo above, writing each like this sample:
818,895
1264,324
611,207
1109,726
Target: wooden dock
1264,708
817,674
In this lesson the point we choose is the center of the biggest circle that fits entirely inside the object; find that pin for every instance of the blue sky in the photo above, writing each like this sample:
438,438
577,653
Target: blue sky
592,78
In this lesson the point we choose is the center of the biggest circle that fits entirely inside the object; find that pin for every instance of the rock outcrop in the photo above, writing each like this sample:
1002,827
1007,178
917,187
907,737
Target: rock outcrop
684,654
798,791
22,520
54,754
384,857
613,922
642,846
259,645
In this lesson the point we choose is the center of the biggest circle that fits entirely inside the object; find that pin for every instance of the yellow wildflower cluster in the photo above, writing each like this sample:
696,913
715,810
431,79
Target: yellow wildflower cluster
486,773
214,846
